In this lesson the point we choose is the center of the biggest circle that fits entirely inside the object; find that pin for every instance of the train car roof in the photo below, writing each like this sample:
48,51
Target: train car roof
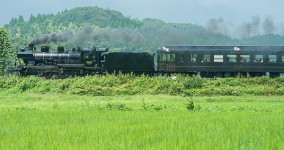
222,48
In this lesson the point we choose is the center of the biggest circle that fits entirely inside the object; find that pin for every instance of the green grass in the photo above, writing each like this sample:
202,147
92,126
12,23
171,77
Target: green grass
111,85
46,121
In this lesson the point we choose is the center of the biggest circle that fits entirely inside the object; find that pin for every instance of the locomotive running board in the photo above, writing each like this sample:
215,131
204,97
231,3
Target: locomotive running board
70,65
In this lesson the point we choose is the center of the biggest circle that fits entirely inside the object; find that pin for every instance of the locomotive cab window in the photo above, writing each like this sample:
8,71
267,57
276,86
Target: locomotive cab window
258,59
89,55
272,58
92,56
171,57
244,58
232,58
218,58
163,57
85,56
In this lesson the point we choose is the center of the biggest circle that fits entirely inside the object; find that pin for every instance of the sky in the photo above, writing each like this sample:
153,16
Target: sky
231,12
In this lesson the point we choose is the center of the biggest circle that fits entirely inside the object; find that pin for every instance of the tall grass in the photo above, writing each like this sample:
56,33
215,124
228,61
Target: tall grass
129,85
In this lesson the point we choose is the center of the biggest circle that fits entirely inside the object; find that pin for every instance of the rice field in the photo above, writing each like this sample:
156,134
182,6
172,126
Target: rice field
46,121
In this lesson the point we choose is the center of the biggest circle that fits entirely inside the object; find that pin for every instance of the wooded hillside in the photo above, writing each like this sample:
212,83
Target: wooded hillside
89,26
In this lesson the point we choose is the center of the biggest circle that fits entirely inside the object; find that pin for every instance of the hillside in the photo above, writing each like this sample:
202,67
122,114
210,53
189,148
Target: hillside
267,39
87,26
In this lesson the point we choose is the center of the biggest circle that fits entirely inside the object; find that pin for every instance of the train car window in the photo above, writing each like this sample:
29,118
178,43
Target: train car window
272,58
163,57
218,58
180,58
232,58
244,58
171,57
282,59
206,58
192,57
258,59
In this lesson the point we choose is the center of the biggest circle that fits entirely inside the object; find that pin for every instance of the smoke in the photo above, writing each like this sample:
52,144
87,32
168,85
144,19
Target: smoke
247,29
251,28
77,37
215,25
53,37
82,35
150,35
268,25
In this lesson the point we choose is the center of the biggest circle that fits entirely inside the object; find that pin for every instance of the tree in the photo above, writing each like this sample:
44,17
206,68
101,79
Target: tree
5,51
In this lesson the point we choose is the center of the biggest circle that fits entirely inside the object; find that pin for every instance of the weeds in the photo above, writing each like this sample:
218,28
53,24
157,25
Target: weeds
56,106
144,106
117,106
110,85
190,104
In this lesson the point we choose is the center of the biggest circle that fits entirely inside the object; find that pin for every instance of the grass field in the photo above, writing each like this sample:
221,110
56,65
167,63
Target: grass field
46,121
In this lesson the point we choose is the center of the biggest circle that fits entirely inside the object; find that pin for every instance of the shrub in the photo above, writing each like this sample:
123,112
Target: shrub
130,85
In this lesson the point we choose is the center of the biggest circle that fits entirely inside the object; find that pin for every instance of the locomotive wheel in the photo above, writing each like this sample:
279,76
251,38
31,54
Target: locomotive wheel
48,75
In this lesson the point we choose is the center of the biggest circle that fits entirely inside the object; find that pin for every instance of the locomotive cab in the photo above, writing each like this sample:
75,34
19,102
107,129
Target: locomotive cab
93,58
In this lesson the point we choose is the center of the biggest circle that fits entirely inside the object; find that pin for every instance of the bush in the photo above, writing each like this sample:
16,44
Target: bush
130,85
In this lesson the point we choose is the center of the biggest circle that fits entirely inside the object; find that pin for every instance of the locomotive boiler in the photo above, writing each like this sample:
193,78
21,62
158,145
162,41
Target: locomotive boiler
62,63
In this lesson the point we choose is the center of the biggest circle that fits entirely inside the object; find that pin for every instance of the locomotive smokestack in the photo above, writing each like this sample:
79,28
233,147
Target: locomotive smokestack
45,49
31,47
60,49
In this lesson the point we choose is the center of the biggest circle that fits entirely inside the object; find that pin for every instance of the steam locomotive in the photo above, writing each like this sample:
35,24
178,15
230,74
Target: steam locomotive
206,61
80,62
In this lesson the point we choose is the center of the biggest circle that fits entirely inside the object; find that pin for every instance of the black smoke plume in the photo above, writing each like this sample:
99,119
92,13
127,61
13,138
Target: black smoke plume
53,37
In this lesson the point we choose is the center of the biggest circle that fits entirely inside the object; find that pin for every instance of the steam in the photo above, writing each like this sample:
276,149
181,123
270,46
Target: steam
247,29
53,37
251,28
151,36
268,25
215,25
127,39
82,35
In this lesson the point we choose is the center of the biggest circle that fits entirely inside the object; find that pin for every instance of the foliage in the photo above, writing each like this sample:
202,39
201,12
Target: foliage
267,39
134,85
5,51
190,104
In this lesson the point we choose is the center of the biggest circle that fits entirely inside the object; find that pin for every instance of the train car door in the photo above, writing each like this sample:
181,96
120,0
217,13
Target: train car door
166,62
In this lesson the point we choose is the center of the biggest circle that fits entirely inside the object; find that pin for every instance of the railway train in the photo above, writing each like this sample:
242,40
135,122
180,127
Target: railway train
205,61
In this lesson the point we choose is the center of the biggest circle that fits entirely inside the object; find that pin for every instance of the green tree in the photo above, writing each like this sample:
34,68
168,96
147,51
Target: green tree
5,51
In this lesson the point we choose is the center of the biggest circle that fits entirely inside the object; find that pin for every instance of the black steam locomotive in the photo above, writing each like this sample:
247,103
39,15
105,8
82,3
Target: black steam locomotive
80,62
206,61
